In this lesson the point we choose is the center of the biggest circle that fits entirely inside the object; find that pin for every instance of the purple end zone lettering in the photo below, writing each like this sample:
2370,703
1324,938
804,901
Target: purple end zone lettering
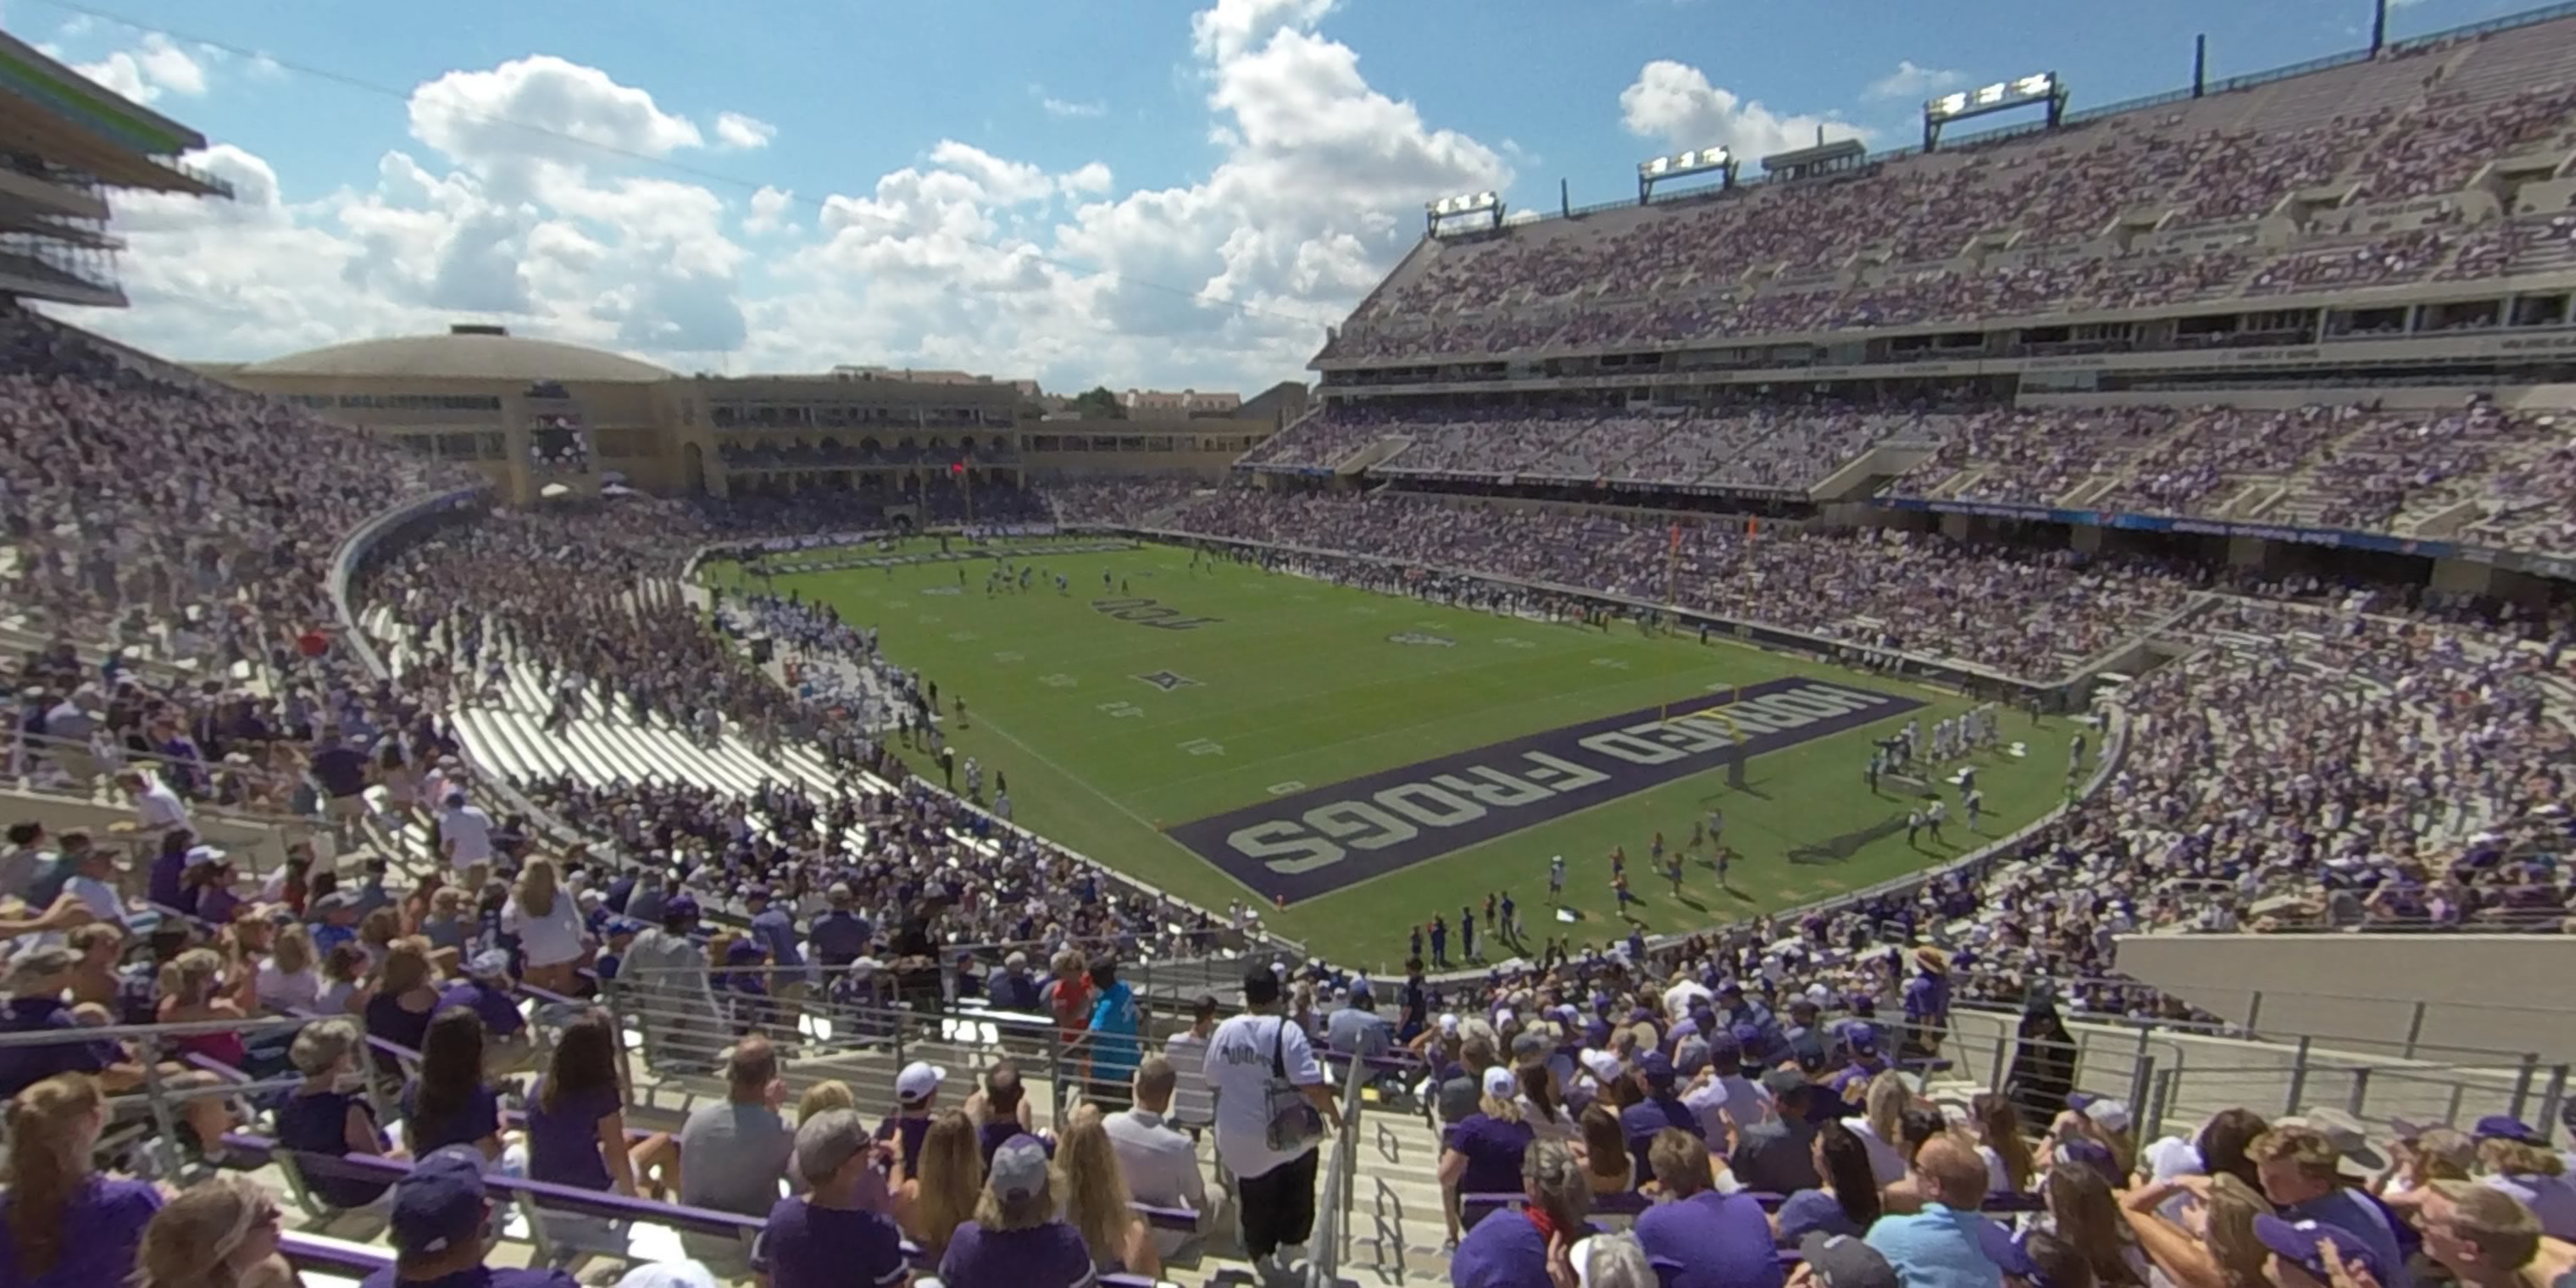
1321,839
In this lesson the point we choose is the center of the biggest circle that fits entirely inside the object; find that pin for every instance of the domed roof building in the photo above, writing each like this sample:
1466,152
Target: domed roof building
463,353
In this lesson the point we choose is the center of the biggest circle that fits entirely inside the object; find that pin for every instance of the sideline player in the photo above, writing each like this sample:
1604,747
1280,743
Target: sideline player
1556,881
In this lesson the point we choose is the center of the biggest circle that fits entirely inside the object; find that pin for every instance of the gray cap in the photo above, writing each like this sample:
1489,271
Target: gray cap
826,1142
1841,1261
1019,1168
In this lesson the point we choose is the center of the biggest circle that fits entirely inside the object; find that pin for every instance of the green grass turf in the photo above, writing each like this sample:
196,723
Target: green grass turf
1299,682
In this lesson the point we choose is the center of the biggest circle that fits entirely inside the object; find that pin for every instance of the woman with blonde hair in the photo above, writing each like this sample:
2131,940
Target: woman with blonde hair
62,1225
1016,1239
1881,1126
1097,1203
218,1233
1481,1153
830,1093
548,923
933,1202
287,981
192,992
2513,1161
2213,1245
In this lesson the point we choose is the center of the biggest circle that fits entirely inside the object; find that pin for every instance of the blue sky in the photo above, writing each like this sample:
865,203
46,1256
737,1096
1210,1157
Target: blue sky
1131,192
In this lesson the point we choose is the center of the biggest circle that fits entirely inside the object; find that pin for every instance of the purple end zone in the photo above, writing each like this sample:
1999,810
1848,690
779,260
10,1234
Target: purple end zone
1325,838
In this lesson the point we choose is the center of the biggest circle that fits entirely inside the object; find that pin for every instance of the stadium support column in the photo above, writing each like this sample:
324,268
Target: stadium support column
2378,28
2200,65
1564,199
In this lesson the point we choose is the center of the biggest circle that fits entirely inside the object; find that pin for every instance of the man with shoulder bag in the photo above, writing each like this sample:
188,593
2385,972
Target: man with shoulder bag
1273,1109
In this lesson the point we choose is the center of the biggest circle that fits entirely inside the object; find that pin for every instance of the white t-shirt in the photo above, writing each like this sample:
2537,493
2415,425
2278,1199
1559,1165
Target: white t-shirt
1238,1071
160,808
469,831
280,991
1678,998
549,940
101,897
1884,1161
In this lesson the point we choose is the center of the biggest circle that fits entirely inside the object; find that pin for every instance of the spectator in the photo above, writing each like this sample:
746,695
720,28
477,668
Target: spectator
1193,1105
1160,1164
2300,1171
1481,1153
1941,1246
442,1227
735,1152
2488,1239
1258,1066
938,1192
451,1103
830,1093
2082,1213
35,985
831,1235
287,980
577,1119
62,1225
2322,1253
1016,1240
1608,1167
1777,1155
1005,1108
1881,1126
1846,1203
2010,1166
218,1233
2213,1245
1661,1108
1535,1252
328,1113
548,925
1717,1240
916,1091
1098,1204
2517,1160
1009,988
406,996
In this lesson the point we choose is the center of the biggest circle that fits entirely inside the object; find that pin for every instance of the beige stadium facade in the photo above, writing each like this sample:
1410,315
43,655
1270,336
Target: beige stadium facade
480,396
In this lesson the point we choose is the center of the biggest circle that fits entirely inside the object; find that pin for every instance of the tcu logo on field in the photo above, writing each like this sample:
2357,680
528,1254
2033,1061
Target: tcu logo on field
1421,639
1146,612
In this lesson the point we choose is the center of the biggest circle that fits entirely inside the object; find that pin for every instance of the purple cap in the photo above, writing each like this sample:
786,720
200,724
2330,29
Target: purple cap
1747,1036
1863,1038
1657,1067
679,906
1722,1045
2504,1127
744,950
2302,1243
1596,1033
440,1204
760,892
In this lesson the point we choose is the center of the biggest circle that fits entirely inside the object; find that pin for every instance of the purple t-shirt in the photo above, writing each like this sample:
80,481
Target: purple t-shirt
563,1142
1493,1148
1504,1251
1811,1211
389,1019
805,1246
479,1117
319,1124
992,1136
1045,1256
500,1014
1711,1240
166,884
908,1130
102,1229
478,1277
22,1067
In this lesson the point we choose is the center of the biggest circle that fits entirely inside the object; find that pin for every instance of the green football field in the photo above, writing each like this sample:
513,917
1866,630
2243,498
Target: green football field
1302,716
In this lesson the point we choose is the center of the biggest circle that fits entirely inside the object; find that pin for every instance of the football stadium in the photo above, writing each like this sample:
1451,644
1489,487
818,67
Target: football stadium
1990,711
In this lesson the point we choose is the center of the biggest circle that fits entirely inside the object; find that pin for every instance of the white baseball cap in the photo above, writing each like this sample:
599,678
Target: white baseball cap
669,1274
918,1080
1499,1083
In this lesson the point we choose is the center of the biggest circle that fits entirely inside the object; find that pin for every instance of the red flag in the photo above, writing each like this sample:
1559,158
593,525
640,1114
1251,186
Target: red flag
957,467
1752,527
1677,538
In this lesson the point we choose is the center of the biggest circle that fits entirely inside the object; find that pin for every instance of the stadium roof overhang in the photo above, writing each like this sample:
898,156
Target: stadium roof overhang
49,111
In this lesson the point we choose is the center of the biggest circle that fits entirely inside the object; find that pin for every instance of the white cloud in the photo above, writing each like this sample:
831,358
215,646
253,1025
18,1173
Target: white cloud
525,194
1910,80
743,133
144,73
1066,108
1674,102
769,211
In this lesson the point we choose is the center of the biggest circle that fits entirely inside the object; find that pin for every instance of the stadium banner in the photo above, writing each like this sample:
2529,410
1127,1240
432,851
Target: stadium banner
2563,569
1326,838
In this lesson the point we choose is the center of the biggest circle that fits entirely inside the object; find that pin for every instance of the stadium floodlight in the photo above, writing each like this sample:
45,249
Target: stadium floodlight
1682,165
1435,213
2004,95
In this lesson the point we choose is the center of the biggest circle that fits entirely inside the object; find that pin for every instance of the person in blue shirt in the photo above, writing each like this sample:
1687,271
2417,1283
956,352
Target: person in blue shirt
1010,987
1944,1244
2300,1170
1115,1020
841,936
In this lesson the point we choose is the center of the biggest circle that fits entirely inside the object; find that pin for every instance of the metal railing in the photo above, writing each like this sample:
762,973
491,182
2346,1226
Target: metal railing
152,1047
1330,1242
